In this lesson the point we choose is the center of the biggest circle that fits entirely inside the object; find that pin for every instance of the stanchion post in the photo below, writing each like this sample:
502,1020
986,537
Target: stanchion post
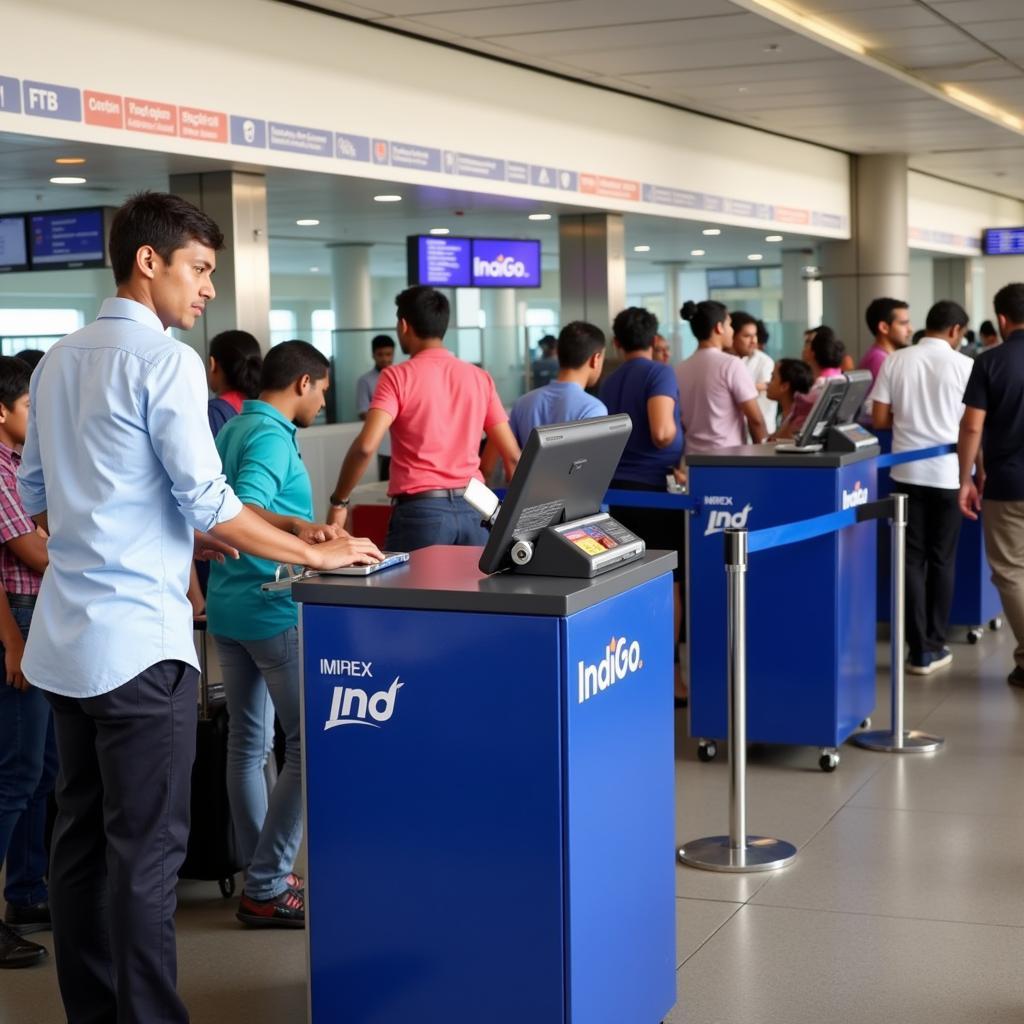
897,740
737,851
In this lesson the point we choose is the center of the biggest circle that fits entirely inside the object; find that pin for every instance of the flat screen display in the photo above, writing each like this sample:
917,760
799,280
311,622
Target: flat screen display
13,244
67,238
734,277
439,261
1003,242
445,262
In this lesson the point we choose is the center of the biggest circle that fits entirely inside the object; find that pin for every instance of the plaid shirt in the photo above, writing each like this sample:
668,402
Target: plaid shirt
15,576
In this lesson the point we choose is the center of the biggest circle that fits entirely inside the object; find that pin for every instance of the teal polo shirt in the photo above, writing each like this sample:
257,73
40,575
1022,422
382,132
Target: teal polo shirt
263,466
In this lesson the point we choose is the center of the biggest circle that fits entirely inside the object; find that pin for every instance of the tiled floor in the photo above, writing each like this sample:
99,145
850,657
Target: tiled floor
905,903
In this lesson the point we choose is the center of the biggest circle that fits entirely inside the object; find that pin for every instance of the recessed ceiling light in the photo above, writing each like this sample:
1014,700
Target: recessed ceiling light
439,231
773,238
67,181
641,248
540,216
69,160
307,222
387,199
697,252
711,231
755,256
314,270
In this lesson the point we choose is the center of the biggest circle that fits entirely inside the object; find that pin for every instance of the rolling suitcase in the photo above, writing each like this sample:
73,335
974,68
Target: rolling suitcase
212,854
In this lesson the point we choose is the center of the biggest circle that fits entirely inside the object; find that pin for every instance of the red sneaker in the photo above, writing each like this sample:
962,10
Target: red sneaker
286,910
296,882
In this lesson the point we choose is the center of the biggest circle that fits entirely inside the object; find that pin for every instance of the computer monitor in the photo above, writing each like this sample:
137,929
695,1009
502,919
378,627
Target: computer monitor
858,385
563,474
823,413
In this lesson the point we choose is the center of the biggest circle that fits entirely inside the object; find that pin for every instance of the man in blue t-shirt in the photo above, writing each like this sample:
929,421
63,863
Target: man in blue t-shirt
580,362
648,392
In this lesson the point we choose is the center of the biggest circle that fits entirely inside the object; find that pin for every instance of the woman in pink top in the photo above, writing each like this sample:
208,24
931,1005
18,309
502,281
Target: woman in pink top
717,396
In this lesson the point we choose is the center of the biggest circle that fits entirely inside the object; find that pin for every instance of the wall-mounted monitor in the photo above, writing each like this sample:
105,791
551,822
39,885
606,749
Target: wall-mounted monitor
445,262
13,243
1002,242
69,239
733,277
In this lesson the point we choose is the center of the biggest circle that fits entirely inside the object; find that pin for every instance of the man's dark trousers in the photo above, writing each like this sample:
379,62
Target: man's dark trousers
933,530
122,828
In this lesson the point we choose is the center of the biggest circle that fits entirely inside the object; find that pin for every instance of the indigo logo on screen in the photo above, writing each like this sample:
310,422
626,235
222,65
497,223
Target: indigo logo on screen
514,264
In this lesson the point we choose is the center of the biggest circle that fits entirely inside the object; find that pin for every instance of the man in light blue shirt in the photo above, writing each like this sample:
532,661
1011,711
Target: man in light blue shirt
383,350
581,348
256,633
119,466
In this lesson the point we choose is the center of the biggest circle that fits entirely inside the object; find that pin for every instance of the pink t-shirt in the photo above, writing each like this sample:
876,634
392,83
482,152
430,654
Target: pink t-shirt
712,386
873,359
439,407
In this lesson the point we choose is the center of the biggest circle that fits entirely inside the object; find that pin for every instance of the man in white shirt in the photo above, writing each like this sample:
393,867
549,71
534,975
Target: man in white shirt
919,393
759,364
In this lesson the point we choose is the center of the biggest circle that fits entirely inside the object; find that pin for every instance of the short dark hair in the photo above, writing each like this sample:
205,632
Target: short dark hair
287,362
703,317
425,310
797,374
14,378
577,342
827,348
164,221
1009,302
382,341
741,320
634,329
944,315
987,328
31,356
882,311
239,357
762,333
548,343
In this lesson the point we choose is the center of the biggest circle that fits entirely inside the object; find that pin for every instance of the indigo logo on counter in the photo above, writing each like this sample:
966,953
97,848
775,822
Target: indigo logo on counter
621,659
722,519
353,706
858,496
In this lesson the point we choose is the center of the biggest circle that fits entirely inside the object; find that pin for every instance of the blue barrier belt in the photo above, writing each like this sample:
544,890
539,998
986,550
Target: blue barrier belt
897,458
652,499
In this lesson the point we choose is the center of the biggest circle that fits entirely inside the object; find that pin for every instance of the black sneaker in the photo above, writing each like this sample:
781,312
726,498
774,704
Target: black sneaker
26,920
286,910
929,662
18,952
1016,677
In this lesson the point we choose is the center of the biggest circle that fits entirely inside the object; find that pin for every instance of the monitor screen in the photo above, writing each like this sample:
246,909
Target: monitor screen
858,385
563,474
1002,242
445,262
590,539
823,412
439,261
67,239
13,244
733,277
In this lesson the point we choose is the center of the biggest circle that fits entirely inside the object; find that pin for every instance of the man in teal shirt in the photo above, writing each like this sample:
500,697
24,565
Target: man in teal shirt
256,631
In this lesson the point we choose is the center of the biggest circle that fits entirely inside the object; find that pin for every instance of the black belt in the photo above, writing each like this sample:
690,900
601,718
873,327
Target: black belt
22,600
437,492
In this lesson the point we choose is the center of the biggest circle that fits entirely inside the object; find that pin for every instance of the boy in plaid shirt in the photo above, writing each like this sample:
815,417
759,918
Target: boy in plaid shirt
28,753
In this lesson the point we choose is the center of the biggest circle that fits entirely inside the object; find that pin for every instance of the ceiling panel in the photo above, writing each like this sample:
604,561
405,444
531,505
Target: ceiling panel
967,12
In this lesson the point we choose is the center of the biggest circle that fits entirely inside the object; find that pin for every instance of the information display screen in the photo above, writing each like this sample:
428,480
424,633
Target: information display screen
67,238
1003,242
590,539
13,245
445,262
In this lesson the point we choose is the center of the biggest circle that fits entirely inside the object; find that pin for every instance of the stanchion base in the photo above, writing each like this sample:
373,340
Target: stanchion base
715,854
914,742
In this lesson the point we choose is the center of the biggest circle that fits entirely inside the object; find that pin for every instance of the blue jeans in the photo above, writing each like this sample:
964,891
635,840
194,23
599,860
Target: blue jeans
28,767
261,676
426,521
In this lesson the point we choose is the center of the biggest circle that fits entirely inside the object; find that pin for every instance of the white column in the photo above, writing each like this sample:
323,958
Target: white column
352,300
795,302
502,356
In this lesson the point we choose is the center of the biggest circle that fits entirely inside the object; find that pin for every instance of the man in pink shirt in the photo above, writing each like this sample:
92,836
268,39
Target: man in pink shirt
889,321
717,396
436,407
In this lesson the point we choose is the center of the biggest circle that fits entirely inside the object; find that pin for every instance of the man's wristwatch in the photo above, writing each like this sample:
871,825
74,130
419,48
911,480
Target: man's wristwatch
339,502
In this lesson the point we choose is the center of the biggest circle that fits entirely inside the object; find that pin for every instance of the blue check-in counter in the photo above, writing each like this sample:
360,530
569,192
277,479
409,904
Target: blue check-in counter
489,776
810,605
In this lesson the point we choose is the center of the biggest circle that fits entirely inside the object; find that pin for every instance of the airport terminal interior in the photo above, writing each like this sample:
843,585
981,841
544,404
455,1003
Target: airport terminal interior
554,161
